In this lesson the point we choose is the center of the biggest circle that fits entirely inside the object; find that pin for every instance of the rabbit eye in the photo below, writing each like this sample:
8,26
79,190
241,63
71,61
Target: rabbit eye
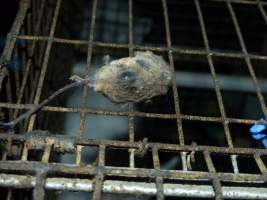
128,76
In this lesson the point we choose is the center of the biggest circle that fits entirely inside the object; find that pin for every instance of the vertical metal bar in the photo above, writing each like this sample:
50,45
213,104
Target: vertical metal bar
131,108
97,193
174,87
217,186
4,157
29,61
16,71
247,59
34,83
101,157
24,59
262,11
88,65
159,186
131,161
24,53
216,84
184,162
39,190
24,156
260,163
9,194
11,41
9,94
130,24
209,162
33,89
11,37
29,26
214,76
34,18
215,181
4,154
23,85
159,179
79,154
155,156
98,183
46,154
98,180
234,163
47,151
45,62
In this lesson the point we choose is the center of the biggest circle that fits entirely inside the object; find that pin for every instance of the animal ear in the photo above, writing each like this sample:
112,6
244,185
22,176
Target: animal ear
106,59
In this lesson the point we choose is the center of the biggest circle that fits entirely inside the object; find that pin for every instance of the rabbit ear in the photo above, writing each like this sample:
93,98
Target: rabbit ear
106,59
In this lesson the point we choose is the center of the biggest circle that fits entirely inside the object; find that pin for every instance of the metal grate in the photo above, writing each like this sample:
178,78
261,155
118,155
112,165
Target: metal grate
28,51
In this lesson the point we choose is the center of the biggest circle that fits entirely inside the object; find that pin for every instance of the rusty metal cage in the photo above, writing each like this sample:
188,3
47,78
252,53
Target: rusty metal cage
40,45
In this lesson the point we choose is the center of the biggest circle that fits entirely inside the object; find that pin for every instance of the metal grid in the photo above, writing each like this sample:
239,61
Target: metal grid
39,174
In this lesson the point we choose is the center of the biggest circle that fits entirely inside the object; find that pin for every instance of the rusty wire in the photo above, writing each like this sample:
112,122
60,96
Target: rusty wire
101,171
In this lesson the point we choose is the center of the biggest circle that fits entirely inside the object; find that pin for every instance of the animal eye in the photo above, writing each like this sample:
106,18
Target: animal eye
142,64
127,76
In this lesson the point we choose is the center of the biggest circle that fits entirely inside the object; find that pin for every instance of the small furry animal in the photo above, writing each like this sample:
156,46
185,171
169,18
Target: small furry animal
132,79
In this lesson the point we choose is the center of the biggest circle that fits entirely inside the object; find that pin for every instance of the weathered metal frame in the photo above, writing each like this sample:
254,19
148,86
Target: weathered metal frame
40,180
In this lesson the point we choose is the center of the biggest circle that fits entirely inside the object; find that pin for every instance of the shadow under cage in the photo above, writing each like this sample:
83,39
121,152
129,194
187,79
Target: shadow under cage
194,142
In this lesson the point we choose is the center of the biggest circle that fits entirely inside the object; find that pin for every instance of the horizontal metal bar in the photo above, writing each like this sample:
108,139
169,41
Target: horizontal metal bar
135,113
29,167
137,145
190,51
241,1
125,187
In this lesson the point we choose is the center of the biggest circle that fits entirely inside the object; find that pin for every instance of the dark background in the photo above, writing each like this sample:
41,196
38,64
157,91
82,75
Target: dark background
8,10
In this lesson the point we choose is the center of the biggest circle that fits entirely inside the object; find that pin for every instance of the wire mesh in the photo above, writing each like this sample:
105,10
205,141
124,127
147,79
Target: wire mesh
32,39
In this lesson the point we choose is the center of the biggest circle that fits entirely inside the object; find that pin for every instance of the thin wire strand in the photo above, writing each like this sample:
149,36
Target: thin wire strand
38,107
